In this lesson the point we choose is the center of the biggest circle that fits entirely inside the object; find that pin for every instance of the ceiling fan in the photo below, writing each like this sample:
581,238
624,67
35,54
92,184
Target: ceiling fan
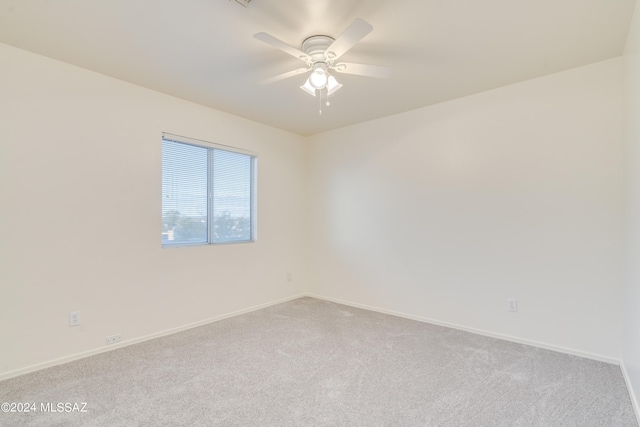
321,54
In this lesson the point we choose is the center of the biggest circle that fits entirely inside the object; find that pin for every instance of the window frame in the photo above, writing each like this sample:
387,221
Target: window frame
253,198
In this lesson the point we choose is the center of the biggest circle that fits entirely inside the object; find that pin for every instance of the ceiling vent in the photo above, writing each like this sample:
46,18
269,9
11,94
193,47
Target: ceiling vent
244,3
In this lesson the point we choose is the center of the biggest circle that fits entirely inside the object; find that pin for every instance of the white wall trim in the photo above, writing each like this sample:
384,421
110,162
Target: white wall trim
632,395
538,344
104,349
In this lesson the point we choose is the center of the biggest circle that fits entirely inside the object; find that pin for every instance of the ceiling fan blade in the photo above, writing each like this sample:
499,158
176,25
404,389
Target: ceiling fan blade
284,76
352,35
279,44
376,71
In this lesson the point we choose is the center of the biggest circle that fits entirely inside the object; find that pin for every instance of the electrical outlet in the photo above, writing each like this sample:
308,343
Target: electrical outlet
512,304
74,318
288,277
113,339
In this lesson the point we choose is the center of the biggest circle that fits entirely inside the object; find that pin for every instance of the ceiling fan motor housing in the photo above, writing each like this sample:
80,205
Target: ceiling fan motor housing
316,46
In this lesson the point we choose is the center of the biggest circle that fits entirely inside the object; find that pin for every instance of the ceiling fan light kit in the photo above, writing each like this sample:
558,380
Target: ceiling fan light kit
332,85
318,78
308,88
320,54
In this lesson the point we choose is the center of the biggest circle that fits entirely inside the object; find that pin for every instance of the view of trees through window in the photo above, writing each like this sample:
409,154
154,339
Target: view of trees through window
207,194
194,229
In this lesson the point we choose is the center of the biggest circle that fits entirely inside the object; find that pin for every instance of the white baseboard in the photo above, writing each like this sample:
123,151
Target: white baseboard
632,395
76,356
566,350
103,349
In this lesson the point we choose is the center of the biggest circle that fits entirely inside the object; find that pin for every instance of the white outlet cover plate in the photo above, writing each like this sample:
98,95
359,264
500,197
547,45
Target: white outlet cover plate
113,339
74,318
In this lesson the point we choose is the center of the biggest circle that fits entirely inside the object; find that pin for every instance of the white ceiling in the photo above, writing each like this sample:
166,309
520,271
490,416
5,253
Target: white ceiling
204,50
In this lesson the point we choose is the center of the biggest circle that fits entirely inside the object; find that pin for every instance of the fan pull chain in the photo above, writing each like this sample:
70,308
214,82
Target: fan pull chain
326,99
320,99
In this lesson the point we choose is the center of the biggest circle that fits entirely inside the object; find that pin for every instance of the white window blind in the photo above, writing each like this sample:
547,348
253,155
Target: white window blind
207,194
232,178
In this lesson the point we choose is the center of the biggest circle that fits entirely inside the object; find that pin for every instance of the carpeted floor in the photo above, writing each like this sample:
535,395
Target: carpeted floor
310,362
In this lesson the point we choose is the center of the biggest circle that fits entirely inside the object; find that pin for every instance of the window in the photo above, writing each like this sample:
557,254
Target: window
208,193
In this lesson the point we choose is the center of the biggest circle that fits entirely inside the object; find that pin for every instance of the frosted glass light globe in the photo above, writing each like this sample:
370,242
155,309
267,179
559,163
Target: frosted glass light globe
318,79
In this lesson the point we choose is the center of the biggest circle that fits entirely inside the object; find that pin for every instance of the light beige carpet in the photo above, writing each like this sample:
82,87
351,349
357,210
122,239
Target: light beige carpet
314,363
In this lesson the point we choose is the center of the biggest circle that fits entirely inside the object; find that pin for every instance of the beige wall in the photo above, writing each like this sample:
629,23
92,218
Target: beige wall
631,341
444,212
80,225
